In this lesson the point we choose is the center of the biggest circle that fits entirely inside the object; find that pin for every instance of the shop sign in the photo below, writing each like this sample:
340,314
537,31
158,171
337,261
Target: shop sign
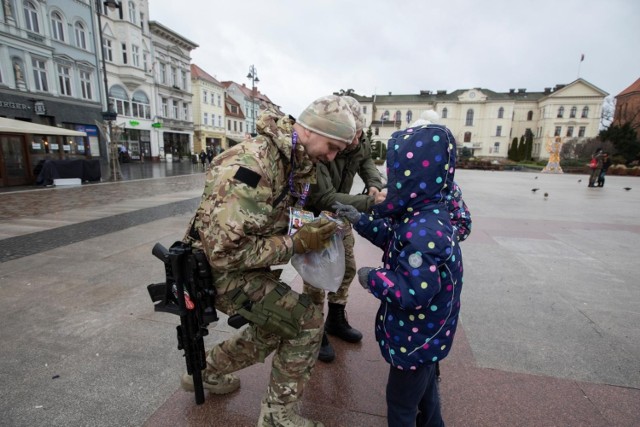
134,122
14,105
39,108
156,125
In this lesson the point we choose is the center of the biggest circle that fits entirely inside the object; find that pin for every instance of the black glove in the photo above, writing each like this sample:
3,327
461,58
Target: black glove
363,276
313,236
347,211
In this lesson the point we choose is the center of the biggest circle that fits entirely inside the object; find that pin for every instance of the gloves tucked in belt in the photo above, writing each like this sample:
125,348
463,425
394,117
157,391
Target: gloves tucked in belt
347,211
313,236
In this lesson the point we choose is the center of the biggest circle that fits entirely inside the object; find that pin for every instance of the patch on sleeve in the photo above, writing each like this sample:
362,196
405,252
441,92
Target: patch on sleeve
247,176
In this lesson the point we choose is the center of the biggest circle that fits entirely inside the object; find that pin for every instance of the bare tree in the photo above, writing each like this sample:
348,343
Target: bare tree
608,112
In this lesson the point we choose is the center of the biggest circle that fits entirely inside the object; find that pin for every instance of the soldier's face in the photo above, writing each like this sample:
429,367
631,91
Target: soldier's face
322,149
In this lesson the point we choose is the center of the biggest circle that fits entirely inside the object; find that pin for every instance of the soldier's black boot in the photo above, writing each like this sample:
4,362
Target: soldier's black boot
326,354
338,325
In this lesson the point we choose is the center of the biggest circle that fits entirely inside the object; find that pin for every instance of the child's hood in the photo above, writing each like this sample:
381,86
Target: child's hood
420,169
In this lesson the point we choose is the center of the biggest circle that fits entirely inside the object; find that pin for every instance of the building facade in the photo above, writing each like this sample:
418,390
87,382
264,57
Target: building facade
486,122
628,106
208,111
173,93
236,129
49,75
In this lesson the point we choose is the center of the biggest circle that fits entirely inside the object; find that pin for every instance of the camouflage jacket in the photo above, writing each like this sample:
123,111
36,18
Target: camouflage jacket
243,217
335,179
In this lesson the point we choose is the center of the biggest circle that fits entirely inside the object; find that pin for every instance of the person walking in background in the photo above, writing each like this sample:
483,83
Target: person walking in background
606,164
334,182
596,165
203,159
242,227
420,283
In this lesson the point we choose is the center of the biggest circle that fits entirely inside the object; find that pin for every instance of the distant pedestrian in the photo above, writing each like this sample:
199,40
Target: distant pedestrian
203,159
209,154
595,165
606,163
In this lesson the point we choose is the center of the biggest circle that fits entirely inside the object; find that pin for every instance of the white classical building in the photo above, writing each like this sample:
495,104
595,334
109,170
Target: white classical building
486,122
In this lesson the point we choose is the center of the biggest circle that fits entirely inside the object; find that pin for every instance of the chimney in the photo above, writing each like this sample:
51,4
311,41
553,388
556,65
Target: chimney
547,90
442,92
389,93
425,92
512,91
522,90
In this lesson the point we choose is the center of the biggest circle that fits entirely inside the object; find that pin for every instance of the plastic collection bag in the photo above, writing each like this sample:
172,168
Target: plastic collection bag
322,269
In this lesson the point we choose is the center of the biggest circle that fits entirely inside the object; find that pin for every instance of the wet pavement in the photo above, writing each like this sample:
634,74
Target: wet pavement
548,333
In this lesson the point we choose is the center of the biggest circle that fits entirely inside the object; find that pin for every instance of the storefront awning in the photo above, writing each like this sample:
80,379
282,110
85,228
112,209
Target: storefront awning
18,126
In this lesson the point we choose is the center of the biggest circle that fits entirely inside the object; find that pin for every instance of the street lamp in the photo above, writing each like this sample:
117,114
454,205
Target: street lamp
253,76
110,114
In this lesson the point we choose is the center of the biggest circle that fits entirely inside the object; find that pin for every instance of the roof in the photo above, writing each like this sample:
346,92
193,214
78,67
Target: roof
635,87
199,73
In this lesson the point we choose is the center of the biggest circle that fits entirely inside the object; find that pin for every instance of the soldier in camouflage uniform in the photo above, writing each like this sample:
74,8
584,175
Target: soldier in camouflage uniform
334,182
241,225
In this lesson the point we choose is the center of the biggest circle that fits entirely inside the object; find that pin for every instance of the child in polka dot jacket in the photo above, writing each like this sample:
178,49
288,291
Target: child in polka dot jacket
419,285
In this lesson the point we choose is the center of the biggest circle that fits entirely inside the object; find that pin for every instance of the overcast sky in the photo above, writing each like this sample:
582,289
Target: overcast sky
303,49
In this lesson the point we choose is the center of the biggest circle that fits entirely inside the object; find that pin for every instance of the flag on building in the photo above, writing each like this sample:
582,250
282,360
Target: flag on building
582,58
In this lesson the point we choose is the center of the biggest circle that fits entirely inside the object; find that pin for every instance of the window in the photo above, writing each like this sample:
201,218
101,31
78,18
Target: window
85,85
585,112
409,116
175,109
81,36
385,115
205,119
398,116
183,74
469,120
569,131
163,73
560,112
558,131
31,17
140,105
581,131
500,113
229,125
135,55
496,147
124,53
64,80
241,127
57,26
530,115
142,21
145,60
364,109
174,76
185,111
132,13
467,137
445,112
107,50
219,121
572,113
40,75
377,131
204,96
120,100
235,126
219,101
498,130
165,107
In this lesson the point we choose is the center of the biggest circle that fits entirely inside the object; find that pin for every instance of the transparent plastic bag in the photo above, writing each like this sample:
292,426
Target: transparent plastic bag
322,269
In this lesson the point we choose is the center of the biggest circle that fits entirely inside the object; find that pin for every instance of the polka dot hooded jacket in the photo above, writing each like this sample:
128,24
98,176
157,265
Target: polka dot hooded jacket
419,285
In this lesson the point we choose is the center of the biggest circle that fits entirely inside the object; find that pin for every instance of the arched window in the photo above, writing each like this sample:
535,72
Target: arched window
81,35
385,115
57,26
398,116
573,112
445,112
140,106
500,113
467,137
469,121
409,116
585,112
530,115
31,17
118,96
560,112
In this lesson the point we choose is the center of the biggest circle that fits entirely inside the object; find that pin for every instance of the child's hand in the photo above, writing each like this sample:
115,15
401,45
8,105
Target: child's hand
363,276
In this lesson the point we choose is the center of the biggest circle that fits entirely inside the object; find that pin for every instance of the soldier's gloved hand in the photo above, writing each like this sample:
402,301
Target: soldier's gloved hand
363,276
313,236
347,211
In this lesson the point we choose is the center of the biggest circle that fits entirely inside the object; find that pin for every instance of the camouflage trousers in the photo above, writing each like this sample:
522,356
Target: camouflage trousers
341,295
294,358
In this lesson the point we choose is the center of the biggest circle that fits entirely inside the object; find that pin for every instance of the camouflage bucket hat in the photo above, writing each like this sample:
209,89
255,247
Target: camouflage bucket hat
329,116
356,109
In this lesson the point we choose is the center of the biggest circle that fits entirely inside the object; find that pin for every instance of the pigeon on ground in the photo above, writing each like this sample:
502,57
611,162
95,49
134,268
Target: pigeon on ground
534,189
546,195
579,180
627,188
535,177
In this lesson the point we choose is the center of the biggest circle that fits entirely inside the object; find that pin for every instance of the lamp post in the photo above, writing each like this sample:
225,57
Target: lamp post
253,76
110,114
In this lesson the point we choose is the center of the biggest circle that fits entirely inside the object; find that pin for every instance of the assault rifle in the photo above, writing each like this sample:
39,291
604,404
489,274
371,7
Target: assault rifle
188,292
